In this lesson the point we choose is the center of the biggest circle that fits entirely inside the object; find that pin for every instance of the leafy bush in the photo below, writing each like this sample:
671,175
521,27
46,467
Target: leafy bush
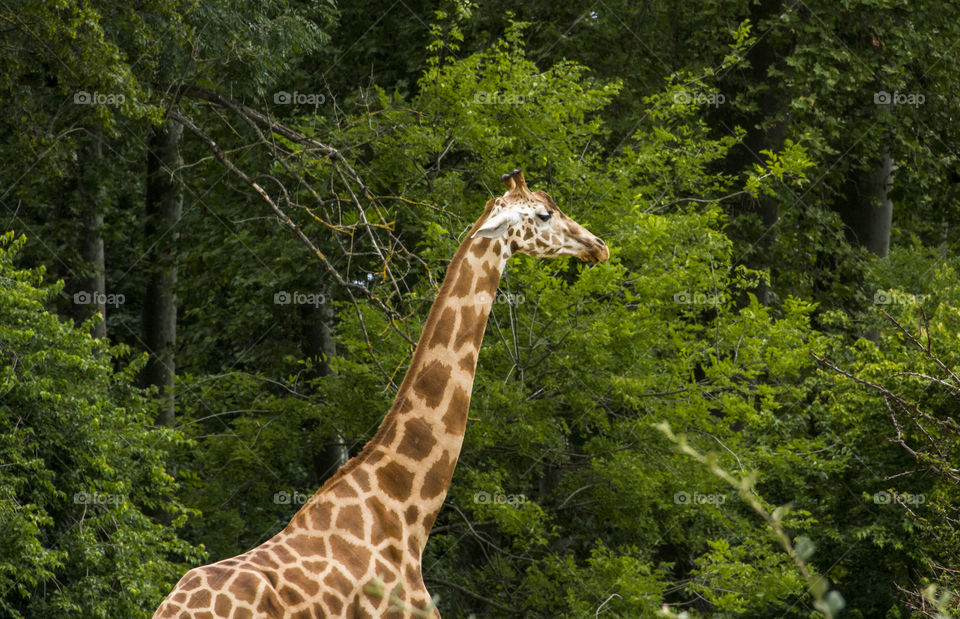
88,513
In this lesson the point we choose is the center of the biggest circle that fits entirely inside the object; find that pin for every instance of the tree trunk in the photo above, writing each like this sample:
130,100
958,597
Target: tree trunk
92,297
759,243
319,345
867,209
164,206
867,212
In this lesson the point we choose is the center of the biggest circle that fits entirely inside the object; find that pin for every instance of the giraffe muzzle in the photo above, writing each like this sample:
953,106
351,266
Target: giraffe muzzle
597,251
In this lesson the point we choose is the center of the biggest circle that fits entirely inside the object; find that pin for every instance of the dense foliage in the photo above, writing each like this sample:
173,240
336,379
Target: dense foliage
749,411
88,511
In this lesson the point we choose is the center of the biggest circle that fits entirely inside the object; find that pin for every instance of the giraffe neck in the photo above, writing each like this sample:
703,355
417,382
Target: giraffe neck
429,414
409,462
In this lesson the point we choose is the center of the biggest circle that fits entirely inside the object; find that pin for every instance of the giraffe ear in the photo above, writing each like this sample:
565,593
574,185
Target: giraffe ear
497,225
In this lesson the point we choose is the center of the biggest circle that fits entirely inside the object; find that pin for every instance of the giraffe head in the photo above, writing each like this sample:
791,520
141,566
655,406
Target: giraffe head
530,223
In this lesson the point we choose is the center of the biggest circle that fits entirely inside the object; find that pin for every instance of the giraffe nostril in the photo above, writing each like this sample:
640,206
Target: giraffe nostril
600,242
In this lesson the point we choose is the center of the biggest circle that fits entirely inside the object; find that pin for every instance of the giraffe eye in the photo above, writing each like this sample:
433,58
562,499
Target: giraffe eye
545,216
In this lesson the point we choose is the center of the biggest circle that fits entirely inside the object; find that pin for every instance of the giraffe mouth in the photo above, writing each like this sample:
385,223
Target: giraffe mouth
596,252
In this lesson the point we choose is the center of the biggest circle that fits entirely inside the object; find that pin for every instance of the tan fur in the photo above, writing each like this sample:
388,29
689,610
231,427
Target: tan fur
370,521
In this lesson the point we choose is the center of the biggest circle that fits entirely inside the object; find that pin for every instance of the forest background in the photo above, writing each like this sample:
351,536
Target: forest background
226,221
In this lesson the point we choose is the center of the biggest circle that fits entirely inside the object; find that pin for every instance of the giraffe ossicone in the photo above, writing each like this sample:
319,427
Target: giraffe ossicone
354,549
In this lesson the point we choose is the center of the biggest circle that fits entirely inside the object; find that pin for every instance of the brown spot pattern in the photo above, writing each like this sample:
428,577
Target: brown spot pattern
404,405
386,522
298,578
269,605
343,490
305,546
438,477
455,419
431,382
321,513
244,587
341,583
362,478
263,559
352,556
272,576
217,575
192,583
463,282
443,328
389,430
290,596
413,574
223,605
467,329
417,440
489,280
392,554
480,246
350,519
429,519
200,599
334,604
395,480
284,555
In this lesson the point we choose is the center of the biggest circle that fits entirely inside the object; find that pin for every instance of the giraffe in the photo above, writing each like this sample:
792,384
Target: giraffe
370,521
